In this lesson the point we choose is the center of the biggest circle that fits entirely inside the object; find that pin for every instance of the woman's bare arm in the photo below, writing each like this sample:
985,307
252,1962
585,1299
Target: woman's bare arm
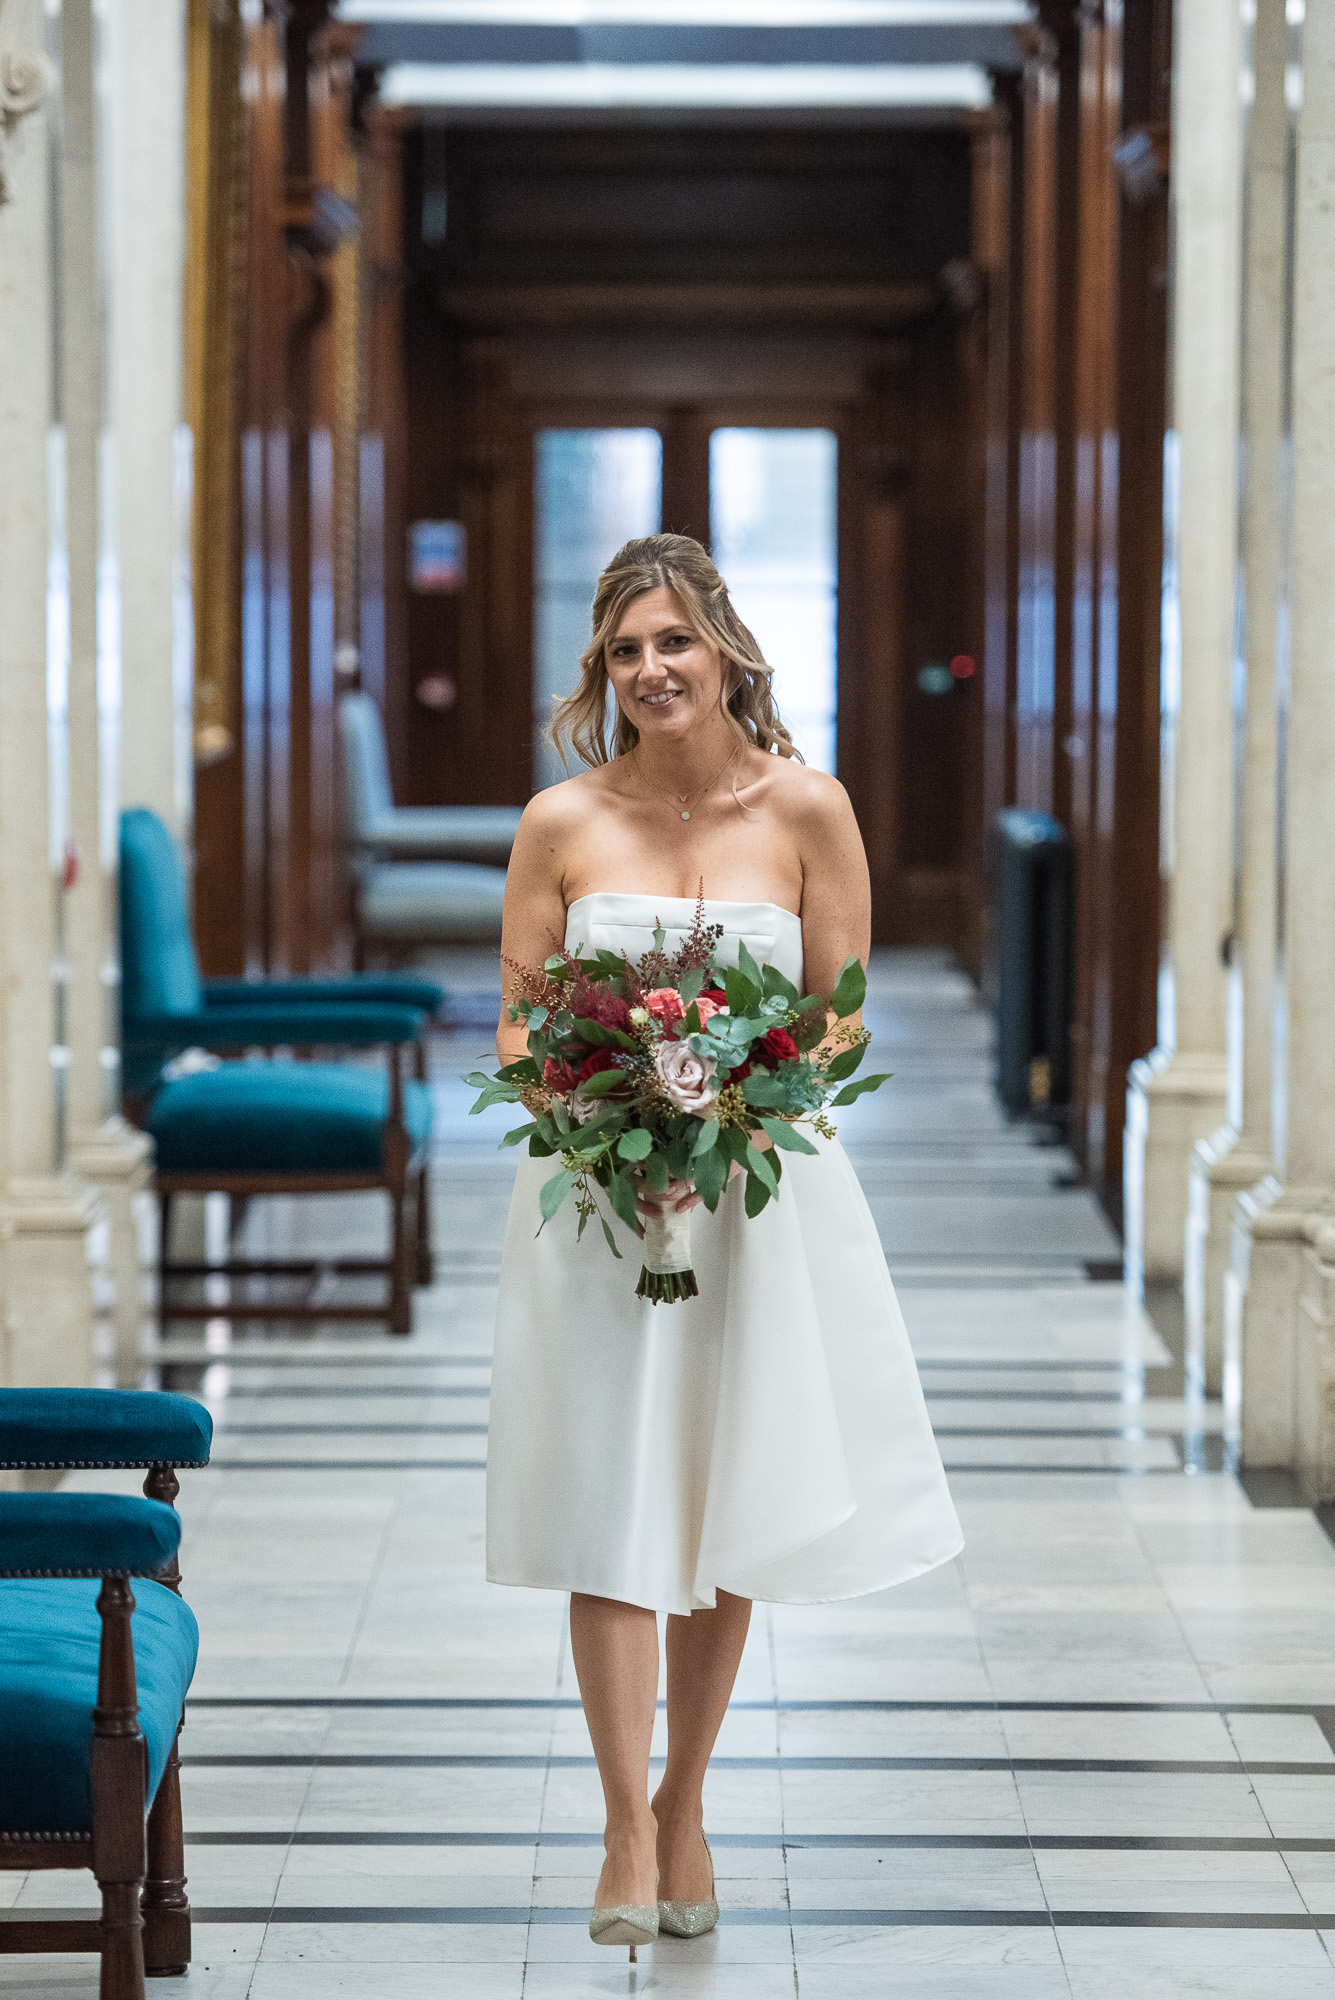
534,922
836,888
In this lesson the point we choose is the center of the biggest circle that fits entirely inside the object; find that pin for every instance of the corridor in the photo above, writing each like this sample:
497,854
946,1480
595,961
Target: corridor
1096,1756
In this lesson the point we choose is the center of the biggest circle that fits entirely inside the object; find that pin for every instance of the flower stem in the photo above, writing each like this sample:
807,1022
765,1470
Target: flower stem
665,1288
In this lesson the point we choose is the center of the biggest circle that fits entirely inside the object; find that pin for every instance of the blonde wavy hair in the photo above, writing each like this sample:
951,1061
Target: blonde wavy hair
679,564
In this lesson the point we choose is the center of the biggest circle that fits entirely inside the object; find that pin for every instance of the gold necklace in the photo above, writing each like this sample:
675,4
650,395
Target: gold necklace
685,800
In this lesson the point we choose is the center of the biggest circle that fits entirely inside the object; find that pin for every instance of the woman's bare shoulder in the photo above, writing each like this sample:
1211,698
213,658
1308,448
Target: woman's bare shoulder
562,806
815,799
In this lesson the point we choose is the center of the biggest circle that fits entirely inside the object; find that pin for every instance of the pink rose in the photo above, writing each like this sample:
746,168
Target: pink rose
708,1006
665,1004
687,1079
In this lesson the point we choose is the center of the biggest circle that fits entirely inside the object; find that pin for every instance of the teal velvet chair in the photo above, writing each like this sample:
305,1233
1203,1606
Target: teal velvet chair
166,1007
420,874
93,1681
256,1128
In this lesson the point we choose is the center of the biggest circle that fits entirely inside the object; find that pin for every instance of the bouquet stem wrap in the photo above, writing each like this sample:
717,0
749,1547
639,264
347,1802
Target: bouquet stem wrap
667,1275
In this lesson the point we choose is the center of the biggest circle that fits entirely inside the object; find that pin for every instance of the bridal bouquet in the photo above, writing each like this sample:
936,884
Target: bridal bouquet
666,1068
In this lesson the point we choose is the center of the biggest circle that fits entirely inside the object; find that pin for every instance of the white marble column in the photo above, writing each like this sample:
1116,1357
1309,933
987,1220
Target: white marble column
1237,1158
1177,1094
102,1147
1284,1238
146,199
49,1221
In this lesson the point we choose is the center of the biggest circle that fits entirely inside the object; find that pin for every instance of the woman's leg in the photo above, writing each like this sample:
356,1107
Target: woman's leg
615,1649
704,1652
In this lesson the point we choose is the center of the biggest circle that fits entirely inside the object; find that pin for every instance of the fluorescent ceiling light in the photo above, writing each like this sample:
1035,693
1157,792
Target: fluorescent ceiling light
690,13
686,86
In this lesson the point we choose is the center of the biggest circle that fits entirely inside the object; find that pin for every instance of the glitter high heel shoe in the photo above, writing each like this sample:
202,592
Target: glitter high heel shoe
689,1920
625,1923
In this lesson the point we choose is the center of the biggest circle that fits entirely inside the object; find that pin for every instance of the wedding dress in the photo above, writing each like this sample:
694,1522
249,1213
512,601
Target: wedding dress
768,1438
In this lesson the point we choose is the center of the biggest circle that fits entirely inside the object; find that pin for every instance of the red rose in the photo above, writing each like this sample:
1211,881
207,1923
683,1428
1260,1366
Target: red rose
774,1048
599,1060
559,1076
716,994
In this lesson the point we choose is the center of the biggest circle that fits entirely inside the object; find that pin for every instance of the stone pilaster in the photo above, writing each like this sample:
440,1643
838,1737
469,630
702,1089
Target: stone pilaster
1178,1095
122,224
1233,1160
1284,1239
146,198
48,1221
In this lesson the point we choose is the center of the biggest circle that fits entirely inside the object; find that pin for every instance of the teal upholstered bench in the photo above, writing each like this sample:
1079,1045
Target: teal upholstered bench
257,1128
93,1680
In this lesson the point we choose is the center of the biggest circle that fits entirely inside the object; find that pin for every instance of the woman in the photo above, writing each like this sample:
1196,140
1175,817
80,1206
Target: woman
768,1438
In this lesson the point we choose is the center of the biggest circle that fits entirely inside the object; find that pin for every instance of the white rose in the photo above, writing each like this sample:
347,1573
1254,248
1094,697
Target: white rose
687,1078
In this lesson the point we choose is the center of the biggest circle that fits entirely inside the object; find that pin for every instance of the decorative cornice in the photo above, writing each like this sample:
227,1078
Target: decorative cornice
26,81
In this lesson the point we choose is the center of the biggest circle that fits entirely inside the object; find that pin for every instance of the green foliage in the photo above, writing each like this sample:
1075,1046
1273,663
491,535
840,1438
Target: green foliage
621,1194
656,1174
554,1193
845,1063
711,1176
611,1239
706,1138
756,1163
786,1136
692,984
850,989
603,1082
636,1144
851,1091
757,1194
599,1037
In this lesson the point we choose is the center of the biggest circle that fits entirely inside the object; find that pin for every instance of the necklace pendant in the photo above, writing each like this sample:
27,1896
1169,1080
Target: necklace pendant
686,815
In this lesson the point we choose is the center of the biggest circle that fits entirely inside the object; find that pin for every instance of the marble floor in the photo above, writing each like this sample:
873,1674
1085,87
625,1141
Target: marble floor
1093,1757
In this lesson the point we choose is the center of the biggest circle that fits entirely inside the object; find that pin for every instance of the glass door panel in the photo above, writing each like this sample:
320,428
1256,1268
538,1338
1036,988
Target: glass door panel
772,515
593,490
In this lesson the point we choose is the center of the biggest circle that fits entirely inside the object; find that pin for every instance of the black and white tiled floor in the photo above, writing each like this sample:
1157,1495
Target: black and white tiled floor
1095,1757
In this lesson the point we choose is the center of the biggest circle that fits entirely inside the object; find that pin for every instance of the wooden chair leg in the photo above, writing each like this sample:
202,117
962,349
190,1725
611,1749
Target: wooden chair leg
119,1767
426,1266
402,1260
164,1903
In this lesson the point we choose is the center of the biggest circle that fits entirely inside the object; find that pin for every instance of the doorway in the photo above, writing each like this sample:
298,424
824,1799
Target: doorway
772,513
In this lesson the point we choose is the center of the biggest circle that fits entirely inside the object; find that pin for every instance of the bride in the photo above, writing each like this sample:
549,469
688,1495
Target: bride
767,1439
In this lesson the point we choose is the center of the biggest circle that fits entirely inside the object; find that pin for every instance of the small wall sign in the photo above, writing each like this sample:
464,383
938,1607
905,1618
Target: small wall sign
437,557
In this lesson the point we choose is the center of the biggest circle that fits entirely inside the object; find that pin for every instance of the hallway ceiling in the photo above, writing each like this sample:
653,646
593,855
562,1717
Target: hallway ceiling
846,58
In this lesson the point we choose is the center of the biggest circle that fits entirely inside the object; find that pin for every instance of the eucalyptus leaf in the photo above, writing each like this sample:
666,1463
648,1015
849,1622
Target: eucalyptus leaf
656,1173
777,985
611,1239
517,1133
756,1163
743,993
845,1063
621,1194
855,1090
747,966
711,1176
554,1192
691,983
637,1144
555,963
536,1017
599,1037
583,1225
707,1139
603,1082
786,1136
850,989
757,1194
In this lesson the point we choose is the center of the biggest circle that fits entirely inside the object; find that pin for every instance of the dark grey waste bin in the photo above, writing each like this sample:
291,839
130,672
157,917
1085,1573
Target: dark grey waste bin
1034,933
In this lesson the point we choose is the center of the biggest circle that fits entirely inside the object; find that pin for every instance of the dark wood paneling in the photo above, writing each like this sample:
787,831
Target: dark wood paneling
716,202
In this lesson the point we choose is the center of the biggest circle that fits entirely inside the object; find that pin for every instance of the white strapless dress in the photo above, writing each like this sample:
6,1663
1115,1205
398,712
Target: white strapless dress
767,1438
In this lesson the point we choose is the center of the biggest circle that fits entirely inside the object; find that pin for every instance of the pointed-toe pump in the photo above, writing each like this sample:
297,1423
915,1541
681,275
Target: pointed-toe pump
625,1923
689,1920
